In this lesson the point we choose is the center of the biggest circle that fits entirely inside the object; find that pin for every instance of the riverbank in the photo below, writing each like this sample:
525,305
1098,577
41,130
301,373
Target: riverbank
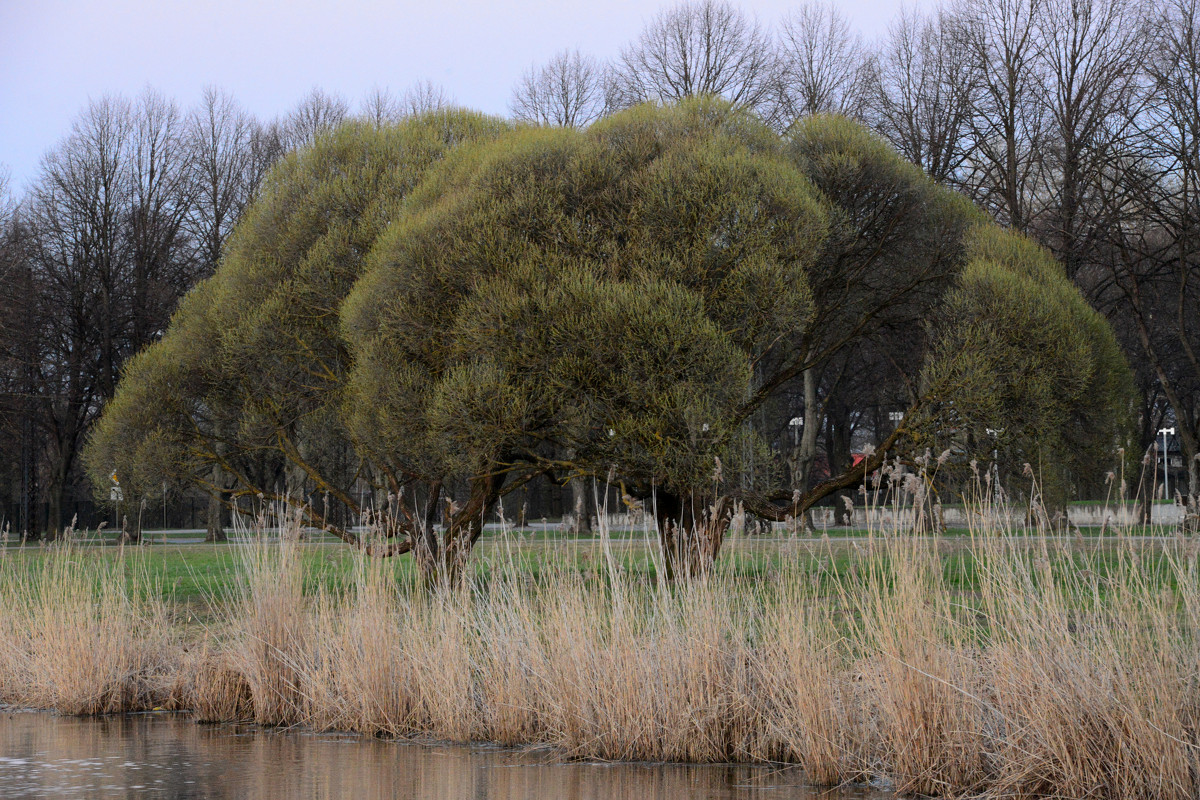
1001,663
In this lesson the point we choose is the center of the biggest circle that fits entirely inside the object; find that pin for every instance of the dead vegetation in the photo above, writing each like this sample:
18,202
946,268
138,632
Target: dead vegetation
1057,671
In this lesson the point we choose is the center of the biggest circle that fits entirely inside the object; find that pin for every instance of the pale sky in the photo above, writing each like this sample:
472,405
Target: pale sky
56,54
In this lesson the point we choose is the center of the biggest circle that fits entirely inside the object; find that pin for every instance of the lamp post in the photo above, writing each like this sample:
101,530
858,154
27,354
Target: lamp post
995,434
796,423
1166,464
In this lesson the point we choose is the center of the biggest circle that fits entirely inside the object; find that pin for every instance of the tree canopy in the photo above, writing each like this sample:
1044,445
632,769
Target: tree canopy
248,378
449,308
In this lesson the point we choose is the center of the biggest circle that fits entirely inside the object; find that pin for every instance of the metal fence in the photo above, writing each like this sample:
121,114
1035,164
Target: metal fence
178,513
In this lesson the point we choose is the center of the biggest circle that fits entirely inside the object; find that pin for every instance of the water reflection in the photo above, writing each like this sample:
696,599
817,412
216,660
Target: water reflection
157,755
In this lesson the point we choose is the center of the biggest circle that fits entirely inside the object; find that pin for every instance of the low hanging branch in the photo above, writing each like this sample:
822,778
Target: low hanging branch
767,506
372,546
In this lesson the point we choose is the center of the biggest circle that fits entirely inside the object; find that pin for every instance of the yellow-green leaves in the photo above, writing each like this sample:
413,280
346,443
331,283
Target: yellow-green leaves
251,373
454,297
1021,352
621,279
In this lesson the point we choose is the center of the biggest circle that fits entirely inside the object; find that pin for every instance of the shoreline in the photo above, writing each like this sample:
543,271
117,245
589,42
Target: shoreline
1002,666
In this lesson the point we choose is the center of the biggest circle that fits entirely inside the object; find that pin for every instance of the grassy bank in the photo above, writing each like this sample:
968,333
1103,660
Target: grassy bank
998,662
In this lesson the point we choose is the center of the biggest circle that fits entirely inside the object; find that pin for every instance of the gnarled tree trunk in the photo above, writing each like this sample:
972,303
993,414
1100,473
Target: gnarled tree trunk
691,530
441,557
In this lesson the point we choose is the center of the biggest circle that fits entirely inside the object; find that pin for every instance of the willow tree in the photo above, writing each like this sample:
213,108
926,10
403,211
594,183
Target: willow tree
552,292
243,391
600,293
981,326
504,320
619,300
1025,367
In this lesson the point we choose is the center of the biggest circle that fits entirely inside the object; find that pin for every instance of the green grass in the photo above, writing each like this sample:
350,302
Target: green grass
195,576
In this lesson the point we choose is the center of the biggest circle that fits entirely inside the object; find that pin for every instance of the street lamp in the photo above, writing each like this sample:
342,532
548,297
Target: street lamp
1166,464
995,434
796,423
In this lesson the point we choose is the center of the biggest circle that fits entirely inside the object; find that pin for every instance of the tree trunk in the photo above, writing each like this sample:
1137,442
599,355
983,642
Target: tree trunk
214,530
442,561
1144,498
54,498
581,507
57,498
806,450
1191,510
691,531
427,553
808,434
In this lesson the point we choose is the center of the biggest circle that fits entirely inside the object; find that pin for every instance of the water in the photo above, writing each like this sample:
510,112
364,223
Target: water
165,755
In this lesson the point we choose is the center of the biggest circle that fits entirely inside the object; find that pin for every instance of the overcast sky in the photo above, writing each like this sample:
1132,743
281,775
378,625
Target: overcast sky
55,54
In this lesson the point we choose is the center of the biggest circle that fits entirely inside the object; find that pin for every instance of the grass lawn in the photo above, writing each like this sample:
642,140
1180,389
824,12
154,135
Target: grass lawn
195,576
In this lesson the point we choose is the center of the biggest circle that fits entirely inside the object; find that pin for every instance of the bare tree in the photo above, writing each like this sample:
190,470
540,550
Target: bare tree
707,47
923,93
380,107
81,203
824,65
107,257
8,204
220,137
1008,123
1146,274
1093,52
268,143
77,209
568,91
18,408
313,116
162,264
1175,72
424,96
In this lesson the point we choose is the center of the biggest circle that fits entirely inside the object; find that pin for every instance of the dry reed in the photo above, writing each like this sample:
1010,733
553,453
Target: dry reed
83,634
1060,669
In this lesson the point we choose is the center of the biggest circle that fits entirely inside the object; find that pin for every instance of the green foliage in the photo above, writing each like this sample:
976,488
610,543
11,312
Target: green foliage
610,289
558,347
248,377
896,241
453,298
1021,352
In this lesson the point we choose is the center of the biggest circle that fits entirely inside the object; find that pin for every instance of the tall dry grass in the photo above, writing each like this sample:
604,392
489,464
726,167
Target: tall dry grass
1041,666
83,633
1066,669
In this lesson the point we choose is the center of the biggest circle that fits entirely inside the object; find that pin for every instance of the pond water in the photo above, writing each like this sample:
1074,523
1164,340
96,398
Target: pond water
166,755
